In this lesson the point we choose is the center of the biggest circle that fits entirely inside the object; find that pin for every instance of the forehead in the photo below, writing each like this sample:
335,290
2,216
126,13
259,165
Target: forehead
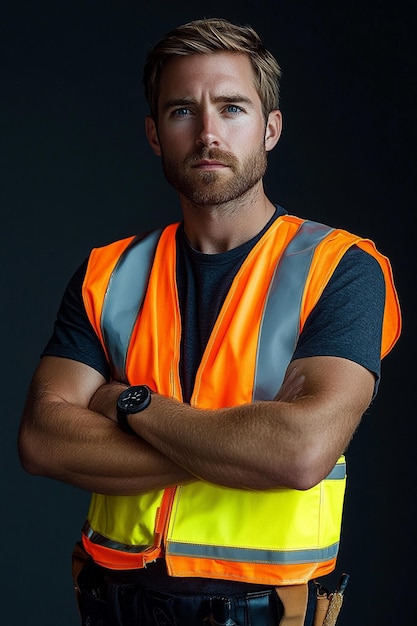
208,74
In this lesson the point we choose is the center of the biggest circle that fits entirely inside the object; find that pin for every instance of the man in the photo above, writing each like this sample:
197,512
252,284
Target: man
205,379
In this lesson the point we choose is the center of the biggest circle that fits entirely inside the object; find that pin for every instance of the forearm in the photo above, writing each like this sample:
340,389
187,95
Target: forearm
199,441
83,448
217,446
236,447
293,441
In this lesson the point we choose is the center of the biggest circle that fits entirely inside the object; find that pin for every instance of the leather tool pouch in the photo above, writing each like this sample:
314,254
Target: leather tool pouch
322,606
327,605
79,559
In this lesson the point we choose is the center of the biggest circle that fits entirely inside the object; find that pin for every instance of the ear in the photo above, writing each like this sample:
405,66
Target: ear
273,129
152,135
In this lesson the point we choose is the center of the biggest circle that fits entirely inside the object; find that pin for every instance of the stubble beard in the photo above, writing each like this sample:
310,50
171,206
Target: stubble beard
213,188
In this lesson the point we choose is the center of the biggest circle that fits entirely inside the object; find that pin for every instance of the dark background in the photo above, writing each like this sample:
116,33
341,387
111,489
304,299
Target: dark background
76,172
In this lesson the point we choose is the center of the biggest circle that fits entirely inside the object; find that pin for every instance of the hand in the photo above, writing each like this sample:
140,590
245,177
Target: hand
104,400
292,387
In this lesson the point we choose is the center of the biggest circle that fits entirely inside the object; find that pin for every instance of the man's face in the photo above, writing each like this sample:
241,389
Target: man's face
211,132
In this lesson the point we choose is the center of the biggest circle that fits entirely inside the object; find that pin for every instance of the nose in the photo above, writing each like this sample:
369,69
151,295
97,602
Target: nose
208,133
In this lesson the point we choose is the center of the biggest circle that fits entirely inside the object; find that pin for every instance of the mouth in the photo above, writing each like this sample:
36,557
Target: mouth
209,164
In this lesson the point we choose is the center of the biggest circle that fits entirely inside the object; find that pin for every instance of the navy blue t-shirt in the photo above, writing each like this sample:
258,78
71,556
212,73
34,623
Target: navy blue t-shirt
346,322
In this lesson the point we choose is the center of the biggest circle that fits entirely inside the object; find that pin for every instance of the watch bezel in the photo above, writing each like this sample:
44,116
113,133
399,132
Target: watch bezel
124,409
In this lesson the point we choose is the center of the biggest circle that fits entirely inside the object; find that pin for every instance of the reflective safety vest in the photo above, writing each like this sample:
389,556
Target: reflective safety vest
277,536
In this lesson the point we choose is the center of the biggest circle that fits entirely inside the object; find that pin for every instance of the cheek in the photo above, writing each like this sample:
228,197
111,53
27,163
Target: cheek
249,142
245,134
174,142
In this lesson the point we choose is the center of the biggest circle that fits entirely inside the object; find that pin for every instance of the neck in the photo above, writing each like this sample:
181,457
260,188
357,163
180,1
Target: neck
218,228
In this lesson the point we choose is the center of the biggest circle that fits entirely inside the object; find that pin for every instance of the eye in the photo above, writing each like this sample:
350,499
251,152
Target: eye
182,112
234,109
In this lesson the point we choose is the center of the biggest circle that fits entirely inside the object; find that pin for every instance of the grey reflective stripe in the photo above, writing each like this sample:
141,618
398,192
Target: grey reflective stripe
251,555
225,553
280,321
281,317
101,540
127,287
338,472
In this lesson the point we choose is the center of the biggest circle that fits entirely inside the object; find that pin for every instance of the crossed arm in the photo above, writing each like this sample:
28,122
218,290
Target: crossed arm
68,431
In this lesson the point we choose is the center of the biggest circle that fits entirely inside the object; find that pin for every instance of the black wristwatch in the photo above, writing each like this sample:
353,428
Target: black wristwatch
132,400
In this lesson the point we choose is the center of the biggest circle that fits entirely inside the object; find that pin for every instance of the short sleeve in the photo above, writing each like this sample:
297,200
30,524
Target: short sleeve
73,336
347,320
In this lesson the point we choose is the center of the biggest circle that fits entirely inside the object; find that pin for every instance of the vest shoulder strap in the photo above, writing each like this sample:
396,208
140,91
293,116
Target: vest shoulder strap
128,283
124,297
281,318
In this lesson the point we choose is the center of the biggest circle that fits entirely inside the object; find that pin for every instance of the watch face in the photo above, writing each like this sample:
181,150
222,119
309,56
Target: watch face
134,399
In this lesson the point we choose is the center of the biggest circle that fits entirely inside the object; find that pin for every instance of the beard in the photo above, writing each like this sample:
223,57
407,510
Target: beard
213,188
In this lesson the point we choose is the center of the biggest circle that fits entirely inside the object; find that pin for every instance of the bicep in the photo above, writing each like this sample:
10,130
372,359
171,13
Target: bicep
337,392
324,415
54,413
336,379
64,380
73,336
347,320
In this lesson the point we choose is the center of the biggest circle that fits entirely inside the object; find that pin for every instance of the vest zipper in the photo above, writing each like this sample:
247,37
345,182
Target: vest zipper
163,515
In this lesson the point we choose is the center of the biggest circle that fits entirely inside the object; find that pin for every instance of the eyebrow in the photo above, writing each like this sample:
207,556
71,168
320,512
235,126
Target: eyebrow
227,99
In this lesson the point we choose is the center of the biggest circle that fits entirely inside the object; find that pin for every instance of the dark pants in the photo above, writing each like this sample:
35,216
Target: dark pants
106,601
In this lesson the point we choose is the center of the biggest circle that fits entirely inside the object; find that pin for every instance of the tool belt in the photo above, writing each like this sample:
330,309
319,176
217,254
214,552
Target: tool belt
327,605
105,601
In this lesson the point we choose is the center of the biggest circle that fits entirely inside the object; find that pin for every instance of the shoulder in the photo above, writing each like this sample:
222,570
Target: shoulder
359,262
357,280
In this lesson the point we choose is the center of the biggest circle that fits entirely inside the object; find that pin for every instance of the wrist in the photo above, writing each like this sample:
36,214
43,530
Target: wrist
105,399
131,401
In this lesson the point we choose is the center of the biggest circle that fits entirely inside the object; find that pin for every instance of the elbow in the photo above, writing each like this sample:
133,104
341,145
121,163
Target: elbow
30,454
29,465
304,480
28,461
307,470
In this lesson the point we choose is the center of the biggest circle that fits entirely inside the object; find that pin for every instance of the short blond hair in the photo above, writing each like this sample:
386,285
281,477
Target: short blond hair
207,36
